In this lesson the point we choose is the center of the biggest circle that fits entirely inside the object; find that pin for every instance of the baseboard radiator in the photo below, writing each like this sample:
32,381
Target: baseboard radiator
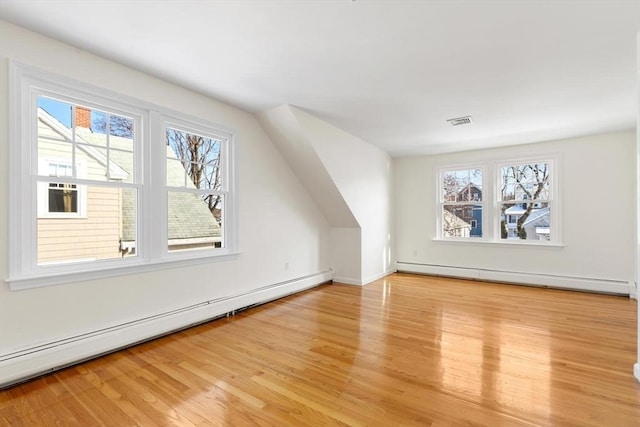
22,365
615,287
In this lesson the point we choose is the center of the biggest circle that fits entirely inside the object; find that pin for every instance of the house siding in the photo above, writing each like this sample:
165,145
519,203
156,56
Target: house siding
95,236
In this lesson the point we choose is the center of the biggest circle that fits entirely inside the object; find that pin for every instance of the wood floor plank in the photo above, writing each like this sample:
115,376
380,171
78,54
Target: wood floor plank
405,350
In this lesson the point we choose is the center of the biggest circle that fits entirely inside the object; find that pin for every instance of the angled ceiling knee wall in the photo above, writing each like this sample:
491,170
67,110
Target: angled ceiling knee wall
350,181
294,143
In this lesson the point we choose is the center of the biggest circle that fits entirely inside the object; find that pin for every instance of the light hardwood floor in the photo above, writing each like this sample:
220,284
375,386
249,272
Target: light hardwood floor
404,350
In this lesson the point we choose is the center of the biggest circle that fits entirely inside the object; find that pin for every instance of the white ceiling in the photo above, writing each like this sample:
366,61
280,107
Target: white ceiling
389,72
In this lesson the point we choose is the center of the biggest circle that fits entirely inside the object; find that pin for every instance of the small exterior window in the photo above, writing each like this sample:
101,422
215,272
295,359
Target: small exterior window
63,198
58,199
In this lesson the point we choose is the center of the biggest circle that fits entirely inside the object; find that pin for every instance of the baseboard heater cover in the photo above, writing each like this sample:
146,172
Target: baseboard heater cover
20,366
616,287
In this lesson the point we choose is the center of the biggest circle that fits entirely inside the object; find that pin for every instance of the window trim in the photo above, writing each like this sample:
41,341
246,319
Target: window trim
25,83
491,192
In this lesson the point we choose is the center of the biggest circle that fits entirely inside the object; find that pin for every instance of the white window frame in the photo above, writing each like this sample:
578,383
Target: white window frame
491,174
228,183
552,161
25,85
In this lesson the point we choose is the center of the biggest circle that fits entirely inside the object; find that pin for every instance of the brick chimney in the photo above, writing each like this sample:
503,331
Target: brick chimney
83,117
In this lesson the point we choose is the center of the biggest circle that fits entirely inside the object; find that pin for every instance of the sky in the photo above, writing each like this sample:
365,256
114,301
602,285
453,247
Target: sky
59,110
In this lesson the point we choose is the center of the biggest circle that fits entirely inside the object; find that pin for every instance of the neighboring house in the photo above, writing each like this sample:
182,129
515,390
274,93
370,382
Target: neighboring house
537,225
454,226
88,222
472,214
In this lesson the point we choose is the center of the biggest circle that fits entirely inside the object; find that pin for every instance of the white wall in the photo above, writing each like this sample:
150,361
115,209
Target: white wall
598,209
279,223
346,254
362,174
350,179
294,144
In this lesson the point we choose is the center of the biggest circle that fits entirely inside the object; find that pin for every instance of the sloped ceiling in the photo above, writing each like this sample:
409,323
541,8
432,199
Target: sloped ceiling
389,72
294,142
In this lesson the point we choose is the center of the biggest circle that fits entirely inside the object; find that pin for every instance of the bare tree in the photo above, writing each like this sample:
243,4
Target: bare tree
200,157
450,187
448,227
112,124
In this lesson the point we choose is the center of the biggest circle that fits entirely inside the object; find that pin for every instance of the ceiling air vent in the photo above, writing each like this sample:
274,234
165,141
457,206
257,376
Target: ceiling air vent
459,121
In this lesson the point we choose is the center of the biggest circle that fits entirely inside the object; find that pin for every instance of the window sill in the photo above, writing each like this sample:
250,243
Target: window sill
510,244
43,279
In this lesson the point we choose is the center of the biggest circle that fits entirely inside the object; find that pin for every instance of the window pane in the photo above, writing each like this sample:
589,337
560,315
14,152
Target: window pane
110,156
198,155
450,186
525,221
59,110
104,226
121,165
462,185
51,154
203,176
462,221
63,198
102,164
525,182
176,173
105,124
212,179
90,127
508,191
195,221
94,161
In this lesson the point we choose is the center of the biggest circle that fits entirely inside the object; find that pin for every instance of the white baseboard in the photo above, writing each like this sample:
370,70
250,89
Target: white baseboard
31,362
357,282
618,287
377,277
636,371
347,280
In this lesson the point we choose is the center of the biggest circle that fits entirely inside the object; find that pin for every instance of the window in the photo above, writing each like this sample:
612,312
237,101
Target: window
461,204
90,199
58,199
87,181
524,201
523,209
63,198
196,188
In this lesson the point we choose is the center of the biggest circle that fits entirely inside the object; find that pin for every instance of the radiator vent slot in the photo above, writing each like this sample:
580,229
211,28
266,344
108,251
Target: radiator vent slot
459,121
